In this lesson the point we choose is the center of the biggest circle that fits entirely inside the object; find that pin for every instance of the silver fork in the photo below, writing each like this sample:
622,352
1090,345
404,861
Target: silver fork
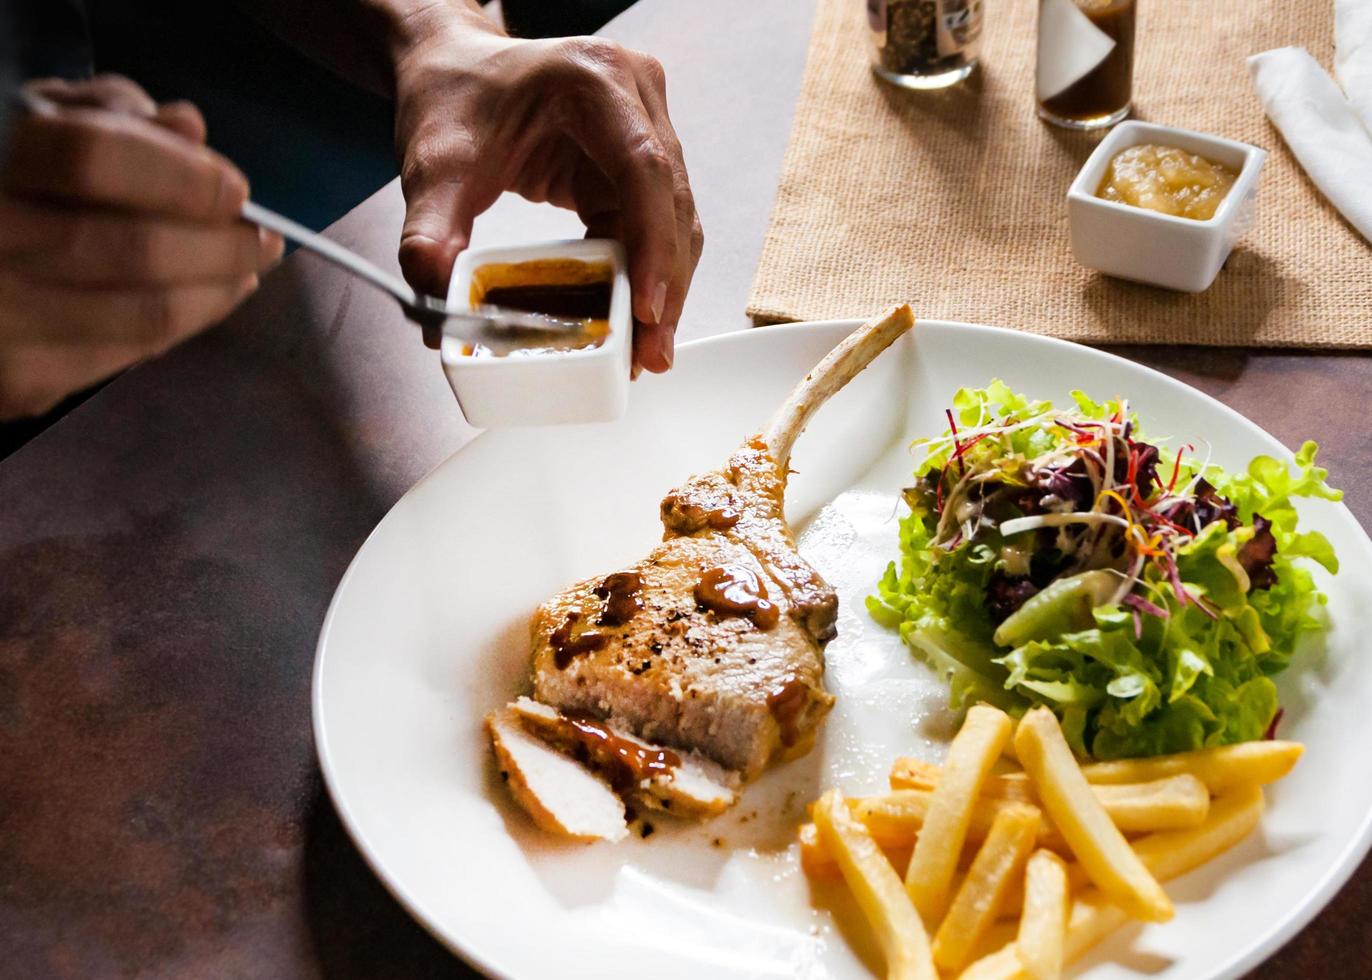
495,328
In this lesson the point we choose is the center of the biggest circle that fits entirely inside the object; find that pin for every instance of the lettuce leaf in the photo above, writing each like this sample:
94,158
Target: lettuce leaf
1123,684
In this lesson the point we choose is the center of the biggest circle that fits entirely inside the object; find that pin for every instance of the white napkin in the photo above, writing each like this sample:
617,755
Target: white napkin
1353,54
1320,125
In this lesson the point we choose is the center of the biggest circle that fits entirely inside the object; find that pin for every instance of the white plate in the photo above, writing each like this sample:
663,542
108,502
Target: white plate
427,633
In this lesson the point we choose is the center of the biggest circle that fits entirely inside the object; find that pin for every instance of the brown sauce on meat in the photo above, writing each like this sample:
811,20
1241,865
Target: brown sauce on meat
732,590
620,593
786,704
625,762
568,644
690,518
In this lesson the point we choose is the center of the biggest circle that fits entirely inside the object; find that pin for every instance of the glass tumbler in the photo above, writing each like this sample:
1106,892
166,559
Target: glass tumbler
1084,75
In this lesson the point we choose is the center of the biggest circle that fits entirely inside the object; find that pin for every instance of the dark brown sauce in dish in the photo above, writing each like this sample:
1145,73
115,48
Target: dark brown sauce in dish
732,590
620,592
625,762
569,301
568,644
786,705
567,289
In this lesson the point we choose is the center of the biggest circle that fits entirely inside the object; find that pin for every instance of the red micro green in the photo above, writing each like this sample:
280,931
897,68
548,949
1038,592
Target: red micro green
1133,476
1176,465
964,447
1174,526
957,443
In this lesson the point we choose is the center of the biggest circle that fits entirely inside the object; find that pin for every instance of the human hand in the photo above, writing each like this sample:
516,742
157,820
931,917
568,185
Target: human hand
578,122
119,237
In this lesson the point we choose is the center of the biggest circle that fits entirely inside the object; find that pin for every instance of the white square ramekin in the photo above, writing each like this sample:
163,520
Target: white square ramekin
1135,243
548,388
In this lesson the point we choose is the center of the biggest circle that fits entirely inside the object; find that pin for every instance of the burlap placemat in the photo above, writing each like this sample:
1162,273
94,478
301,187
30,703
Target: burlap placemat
955,200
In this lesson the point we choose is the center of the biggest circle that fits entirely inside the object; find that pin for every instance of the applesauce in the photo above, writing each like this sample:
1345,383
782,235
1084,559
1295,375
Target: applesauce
1167,180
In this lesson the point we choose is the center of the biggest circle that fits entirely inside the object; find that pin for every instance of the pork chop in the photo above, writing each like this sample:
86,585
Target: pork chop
714,642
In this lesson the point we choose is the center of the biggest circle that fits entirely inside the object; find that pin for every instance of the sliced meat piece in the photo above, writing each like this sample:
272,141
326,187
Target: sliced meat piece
678,783
714,642
561,796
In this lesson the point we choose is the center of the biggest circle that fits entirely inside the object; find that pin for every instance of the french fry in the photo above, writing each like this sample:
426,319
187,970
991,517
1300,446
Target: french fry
818,863
1171,803
1076,881
815,859
1093,917
998,863
877,889
1168,855
1007,751
1221,769
1043,924
918,774
1083,822
974,749
897,818
1168,803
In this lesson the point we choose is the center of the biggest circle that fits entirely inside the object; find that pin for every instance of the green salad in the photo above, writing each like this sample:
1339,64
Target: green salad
1148,597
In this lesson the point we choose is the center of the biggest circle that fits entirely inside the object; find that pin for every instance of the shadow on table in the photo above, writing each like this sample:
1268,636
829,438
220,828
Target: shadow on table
1233,311
358,929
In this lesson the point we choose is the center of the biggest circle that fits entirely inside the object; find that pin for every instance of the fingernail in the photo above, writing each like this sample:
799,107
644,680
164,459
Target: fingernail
659,301
270,247
230,194
666,344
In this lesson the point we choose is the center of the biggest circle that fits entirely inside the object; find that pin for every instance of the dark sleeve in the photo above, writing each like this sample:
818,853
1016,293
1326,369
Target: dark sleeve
49,38
9,71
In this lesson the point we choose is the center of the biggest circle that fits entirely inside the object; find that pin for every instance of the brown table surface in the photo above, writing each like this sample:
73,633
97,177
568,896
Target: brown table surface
167,553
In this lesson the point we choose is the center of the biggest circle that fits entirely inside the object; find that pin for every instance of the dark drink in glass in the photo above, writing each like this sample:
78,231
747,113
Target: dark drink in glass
1085,70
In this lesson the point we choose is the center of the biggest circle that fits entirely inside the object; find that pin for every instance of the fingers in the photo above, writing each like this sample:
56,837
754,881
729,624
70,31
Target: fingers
112,92
446,186
627,132
610,123
86,248
690,237
119,236
118,94
182,118
60,341
92,156
149,318
35,378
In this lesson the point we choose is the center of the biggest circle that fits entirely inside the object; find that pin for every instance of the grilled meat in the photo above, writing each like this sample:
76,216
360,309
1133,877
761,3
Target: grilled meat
714,642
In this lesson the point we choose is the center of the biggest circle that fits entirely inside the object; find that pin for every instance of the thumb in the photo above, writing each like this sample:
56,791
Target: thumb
438,225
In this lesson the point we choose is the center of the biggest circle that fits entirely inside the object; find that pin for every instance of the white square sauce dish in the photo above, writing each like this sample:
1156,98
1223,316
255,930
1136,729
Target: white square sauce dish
1148,246
543,386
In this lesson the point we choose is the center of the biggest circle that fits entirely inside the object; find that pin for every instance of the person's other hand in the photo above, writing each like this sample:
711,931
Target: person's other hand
578,122
118,237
